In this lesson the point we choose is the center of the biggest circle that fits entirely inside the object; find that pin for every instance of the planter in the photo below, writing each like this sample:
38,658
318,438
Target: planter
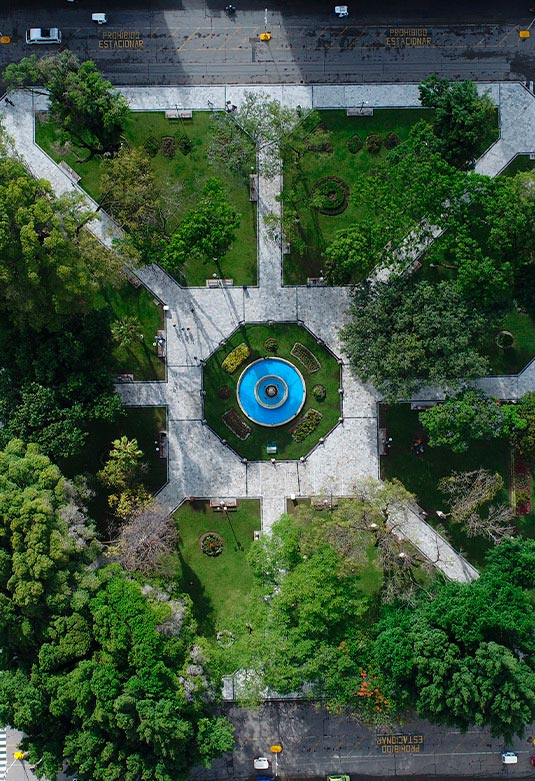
211,544
505,340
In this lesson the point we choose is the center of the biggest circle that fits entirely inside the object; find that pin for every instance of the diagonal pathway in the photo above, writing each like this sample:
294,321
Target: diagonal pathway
198,319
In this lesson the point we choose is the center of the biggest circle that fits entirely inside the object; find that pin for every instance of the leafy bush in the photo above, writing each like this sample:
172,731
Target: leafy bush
151,146
185,144
392,140
374,143
168,146
319,392
306,425
331,194
355,144
271,345
235,358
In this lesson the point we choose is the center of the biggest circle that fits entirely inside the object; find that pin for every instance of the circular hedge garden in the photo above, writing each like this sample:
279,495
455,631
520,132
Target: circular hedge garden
332,195
318,367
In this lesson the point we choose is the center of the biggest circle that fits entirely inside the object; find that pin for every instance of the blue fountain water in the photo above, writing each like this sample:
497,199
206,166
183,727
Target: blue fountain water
271,391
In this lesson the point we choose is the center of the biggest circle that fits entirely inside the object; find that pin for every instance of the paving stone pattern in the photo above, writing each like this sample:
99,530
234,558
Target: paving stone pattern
199,464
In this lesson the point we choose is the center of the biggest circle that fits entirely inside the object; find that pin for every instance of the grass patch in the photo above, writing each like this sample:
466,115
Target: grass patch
140,358
318,230
180,179
420,474
215,378
520,164
218,586
515,358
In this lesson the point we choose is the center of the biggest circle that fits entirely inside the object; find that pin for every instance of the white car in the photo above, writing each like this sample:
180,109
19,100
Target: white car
509,758
43,35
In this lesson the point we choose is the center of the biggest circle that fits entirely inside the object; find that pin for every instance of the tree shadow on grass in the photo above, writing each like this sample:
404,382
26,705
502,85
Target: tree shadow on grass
203,610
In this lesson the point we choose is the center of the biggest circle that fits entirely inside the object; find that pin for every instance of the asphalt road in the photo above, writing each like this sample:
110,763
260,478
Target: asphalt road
194,42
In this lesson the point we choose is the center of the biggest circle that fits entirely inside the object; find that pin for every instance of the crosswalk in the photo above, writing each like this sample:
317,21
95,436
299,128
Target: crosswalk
3,755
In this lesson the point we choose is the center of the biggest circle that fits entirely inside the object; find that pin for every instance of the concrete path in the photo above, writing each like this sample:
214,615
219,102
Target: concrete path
198,319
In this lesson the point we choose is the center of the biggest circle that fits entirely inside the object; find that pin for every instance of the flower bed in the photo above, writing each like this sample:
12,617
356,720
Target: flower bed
308,359
234,421
271,345
333,195
235,358
211,544
306,425
522,486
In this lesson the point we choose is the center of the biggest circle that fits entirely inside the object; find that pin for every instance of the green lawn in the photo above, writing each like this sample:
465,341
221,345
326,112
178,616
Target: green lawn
520,164
318,229
143,423
180,180
139,359
420,474
217,586
514,359
215,377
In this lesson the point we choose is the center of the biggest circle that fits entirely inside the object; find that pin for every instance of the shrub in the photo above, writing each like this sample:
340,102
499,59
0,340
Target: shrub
332,195
354,144
151,146
374,143
224,392
185,144
392,140
319,392
306,425
271,345
522,498
235,358
168,146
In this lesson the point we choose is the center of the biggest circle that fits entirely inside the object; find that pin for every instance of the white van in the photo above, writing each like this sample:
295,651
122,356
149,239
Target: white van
43,35
509,758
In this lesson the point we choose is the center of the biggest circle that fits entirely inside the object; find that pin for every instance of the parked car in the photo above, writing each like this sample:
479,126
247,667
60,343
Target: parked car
339,777
509,758
43,35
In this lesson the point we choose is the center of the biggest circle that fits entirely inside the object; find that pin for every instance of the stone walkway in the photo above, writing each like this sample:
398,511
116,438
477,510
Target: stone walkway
199,464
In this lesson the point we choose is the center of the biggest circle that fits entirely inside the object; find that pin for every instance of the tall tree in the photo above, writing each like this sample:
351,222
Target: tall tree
399,340
206,232
462,118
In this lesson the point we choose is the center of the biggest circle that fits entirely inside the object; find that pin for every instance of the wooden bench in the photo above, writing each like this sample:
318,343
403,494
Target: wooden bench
218,505
124,378
324,504
253,187
71,173
315,281
163,448
179,114
219,282
160,344
359,112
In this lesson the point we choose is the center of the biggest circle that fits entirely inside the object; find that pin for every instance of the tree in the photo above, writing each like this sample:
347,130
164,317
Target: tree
145,538
44,531
463,653
126,331
468,493
523,434
128,189
53,385
461,118
120,689
350,256
206,232
467,416
399,340
264,124
123,464
50,267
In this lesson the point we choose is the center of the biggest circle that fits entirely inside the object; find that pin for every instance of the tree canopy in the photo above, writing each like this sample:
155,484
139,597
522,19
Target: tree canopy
398,339
81,100
462,118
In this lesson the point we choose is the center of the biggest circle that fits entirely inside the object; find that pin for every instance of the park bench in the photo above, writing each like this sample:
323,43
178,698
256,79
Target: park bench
253,187
179,114
71,173
218,505
160,344
323,503
359,112
315,281
163,445
124,378
219,282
